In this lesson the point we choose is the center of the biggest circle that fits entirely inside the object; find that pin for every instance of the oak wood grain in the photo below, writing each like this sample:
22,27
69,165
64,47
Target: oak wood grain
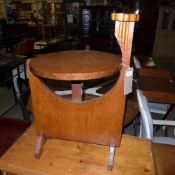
157,89
98,121
75,65
73,158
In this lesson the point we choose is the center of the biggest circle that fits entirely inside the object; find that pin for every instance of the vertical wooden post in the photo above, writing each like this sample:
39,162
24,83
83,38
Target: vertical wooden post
124,29
76,91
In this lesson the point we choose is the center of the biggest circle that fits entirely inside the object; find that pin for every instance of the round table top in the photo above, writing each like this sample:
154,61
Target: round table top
75,65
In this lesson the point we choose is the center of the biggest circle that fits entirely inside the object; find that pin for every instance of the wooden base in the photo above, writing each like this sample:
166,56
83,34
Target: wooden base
40,141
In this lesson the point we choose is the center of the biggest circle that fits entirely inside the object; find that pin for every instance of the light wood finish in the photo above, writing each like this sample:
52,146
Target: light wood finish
61,157
131,110
98,121
75,65
155,88
154,73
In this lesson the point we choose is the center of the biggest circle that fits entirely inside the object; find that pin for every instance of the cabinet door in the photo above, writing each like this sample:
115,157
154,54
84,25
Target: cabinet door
165,34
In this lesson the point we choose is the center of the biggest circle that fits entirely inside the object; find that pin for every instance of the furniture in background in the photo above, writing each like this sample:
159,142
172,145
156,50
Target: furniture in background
11,130
23,48
63,157
97,29
159,108
85,121
7,64
163,148
165,34
13,33
147,123
161,87
73,18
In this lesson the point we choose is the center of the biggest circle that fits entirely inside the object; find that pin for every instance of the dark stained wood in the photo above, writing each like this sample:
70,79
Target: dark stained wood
154,73
157,89
164,158
131,110
75,65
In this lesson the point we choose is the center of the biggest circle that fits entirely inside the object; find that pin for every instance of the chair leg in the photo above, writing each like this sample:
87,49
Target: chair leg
4,173
40,141
111,157
168,117
136,123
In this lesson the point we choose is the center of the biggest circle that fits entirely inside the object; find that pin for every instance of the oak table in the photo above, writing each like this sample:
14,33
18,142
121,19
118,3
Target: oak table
96,121
134,156
75,66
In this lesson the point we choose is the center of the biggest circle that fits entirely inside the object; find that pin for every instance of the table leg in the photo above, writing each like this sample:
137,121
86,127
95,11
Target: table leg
76,91
40,141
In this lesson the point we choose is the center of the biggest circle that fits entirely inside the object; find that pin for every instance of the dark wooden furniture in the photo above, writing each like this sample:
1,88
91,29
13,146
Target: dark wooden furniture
13,33
165,34
73,158
96,121
163,158
11,130
97,29
157,86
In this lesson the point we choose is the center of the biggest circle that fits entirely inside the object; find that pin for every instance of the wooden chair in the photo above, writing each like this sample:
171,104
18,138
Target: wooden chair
96,121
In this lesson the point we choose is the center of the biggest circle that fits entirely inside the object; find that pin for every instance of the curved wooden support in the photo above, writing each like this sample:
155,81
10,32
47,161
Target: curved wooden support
97,121
124,29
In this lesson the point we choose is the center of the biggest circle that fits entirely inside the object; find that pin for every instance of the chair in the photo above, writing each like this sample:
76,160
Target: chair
147,123
158,108
23,48
22,91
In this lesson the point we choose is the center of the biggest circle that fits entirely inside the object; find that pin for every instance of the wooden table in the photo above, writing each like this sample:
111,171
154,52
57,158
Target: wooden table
75,66
157,87
74,158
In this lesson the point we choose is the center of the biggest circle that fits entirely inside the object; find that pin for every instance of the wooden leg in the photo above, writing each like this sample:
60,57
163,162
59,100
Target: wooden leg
76,91
40,141
111,157
4,172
